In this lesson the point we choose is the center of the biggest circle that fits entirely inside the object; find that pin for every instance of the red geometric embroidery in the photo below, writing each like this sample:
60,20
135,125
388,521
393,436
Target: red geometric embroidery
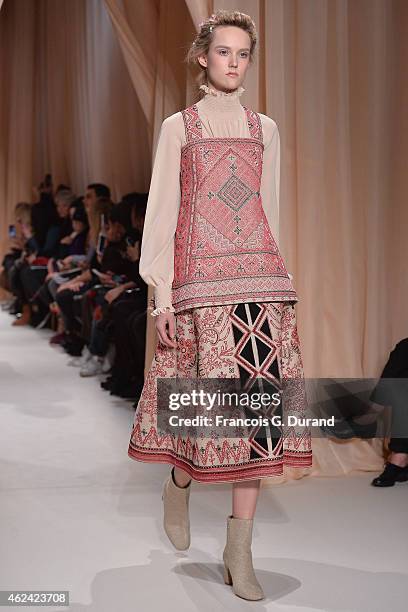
224,250
252,342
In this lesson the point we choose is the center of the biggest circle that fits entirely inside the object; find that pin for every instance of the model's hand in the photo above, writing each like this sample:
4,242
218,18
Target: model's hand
165,326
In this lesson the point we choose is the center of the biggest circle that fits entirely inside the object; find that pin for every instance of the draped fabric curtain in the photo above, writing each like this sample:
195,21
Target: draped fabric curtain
135,26
86,85
67,104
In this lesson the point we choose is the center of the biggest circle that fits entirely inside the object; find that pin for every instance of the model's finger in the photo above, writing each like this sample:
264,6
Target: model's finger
160,333
169,331
172,331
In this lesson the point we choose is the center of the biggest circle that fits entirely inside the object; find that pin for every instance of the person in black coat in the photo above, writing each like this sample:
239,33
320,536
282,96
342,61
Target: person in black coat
395,394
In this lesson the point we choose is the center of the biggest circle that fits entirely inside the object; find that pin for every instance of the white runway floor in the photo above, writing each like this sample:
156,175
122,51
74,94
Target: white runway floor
77,514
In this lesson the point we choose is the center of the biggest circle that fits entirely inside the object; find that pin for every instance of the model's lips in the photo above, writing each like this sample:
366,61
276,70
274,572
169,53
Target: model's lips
232,74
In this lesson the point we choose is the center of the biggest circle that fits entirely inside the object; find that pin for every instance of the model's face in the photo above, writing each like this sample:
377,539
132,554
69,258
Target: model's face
227,59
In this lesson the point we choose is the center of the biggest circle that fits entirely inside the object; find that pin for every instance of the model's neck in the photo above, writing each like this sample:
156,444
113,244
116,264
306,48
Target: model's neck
220,101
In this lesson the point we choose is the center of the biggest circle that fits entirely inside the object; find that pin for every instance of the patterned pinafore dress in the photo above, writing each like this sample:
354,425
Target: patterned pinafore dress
235,323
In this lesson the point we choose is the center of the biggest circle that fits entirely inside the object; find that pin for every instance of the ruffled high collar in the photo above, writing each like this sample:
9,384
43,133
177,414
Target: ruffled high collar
221,101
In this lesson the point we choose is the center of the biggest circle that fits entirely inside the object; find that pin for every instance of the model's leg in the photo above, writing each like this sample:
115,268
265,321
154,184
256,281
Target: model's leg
238,567
186,368
177,488
244,498
400,459
181,477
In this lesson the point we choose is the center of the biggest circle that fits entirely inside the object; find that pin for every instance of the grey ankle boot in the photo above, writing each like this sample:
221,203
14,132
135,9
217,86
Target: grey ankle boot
238,568
176,520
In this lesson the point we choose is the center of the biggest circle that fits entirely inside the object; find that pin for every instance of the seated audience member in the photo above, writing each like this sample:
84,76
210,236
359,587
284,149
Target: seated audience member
94,209
33,270
22,214
94,192
70,291
120,271
74,243
44,213
75,247
95,215
128,310
395,394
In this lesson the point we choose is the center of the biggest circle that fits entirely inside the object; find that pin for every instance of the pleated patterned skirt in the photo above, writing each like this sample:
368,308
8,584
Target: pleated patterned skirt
253,343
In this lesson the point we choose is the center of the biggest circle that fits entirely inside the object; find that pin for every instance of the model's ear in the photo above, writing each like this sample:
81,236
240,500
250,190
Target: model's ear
202,60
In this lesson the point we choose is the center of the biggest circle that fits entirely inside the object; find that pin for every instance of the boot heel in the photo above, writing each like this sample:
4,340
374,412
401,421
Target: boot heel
227,575
237,557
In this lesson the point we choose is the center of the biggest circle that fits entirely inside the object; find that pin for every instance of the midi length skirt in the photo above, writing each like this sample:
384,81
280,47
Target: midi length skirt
253,343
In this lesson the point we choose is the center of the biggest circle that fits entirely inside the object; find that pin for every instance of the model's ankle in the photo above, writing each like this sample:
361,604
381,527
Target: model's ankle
180,486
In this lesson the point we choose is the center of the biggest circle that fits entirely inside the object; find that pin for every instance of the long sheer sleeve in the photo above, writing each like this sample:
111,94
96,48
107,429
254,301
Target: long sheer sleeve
270,183
156,264
271,174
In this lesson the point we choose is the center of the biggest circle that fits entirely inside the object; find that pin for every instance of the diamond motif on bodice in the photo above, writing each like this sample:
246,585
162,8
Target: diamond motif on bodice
235,193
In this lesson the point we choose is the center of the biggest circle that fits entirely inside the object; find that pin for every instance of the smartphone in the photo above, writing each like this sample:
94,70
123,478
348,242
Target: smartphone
119,278
12,231
101,244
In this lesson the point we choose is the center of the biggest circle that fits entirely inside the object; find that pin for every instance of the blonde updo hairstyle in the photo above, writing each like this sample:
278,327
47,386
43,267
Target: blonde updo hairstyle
205,36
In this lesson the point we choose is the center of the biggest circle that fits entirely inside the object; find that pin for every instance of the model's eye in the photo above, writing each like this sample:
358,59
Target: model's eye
223,51
245,54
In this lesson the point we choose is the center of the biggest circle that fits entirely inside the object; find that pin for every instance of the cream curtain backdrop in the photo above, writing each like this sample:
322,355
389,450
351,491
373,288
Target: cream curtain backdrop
85,100
67,104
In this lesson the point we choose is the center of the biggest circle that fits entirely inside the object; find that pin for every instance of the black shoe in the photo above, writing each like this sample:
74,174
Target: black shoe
125,388
108,383
391,474
15,307
124,392
73,346
129,392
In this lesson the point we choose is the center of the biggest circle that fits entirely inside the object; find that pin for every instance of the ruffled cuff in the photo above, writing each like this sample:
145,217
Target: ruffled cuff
161,302
157,311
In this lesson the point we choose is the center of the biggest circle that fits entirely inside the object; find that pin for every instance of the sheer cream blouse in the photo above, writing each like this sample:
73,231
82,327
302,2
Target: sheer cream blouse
221,115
